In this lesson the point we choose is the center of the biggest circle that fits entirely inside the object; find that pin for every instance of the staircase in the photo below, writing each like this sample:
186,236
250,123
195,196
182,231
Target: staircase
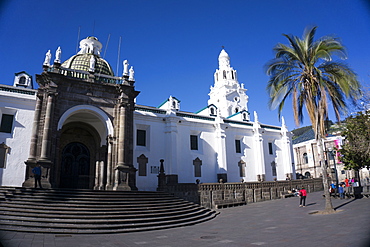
87,211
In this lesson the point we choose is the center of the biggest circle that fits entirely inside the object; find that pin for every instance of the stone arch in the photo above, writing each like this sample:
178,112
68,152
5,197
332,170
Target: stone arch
85,113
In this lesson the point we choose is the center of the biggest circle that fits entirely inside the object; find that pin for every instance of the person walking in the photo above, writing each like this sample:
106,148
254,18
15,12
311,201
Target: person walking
302,197
346,181
341,191
37,174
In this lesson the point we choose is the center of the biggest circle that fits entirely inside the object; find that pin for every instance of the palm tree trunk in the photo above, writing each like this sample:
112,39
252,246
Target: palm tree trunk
328,204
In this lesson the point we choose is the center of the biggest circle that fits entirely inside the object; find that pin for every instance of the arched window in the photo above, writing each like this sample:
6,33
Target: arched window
197,167
22,80
224,74
244,116
142,160
273,167
241,165
236,110
305,158
212,111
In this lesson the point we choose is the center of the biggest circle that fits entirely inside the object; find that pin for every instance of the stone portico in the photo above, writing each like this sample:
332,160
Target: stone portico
83,126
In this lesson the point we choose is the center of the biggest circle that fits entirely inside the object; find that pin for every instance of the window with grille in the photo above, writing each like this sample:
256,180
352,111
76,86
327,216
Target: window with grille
141,138
193,142
238,148
6,123
270,148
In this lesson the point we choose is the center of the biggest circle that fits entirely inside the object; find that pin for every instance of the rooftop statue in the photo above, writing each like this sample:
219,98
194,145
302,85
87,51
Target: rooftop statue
47,58
125,67
58,55
131,75
92,63
90,45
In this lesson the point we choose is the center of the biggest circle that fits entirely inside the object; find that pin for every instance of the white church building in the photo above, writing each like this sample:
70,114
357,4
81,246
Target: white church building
101,138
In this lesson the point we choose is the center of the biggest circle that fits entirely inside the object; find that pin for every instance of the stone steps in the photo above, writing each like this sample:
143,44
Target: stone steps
86,211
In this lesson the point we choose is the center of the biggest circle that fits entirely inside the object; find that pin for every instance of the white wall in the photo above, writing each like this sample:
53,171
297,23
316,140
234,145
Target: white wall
168,138
19,140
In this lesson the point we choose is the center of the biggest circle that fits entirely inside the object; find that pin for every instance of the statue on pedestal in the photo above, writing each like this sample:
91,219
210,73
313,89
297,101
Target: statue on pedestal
57,55
92,64
125,68
47,58
131,74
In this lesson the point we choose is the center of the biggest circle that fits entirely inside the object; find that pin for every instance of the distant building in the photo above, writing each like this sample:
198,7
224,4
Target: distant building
307,162
86,131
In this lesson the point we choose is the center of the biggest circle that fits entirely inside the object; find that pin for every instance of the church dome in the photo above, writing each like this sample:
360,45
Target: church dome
82,62
90,50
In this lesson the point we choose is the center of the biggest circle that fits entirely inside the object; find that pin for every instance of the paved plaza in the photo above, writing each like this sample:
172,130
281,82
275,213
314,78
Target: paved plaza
271,223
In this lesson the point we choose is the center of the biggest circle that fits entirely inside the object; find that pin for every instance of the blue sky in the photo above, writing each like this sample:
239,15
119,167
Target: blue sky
174,44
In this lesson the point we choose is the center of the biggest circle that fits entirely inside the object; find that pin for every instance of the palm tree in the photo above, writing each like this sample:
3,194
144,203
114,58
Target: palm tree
304,71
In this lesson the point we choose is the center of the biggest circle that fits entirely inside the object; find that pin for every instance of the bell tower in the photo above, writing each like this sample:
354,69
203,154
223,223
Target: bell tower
227,94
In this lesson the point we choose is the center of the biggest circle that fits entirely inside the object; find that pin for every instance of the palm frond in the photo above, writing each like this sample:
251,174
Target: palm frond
305,70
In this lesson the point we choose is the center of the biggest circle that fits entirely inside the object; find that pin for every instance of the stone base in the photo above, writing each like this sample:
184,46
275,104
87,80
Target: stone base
122,187
30,183
109,187
172,179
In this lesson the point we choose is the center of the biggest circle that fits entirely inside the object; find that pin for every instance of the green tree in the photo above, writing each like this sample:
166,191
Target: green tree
355,151
304,71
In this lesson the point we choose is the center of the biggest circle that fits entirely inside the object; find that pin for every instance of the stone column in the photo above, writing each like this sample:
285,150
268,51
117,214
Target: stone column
121,137
31,161
44,159
96,185
121,182
116,179
109,185
35,129
45,146
101,177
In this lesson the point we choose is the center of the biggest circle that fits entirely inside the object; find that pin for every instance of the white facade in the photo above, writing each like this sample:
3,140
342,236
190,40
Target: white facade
218,142
264,152
18,101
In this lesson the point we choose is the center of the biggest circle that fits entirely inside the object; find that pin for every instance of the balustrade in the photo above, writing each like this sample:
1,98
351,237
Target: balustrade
214,195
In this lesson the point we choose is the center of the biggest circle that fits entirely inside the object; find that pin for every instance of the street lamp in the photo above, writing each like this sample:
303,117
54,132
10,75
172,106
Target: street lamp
332,157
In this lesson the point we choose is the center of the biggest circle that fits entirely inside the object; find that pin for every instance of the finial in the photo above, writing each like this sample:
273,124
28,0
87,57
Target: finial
255,117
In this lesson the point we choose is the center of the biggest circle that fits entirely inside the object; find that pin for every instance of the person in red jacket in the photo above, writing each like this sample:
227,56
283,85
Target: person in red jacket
302,199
